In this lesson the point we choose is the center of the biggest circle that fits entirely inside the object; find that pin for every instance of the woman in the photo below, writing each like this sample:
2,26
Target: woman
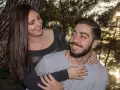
28,42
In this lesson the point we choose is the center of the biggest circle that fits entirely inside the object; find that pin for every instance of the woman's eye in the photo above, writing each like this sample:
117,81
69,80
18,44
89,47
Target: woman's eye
39,18
31,23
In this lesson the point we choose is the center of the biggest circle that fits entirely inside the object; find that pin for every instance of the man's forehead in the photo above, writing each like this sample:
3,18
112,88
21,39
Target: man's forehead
83,28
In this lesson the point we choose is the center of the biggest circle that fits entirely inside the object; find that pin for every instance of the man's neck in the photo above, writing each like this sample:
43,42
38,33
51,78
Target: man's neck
79,61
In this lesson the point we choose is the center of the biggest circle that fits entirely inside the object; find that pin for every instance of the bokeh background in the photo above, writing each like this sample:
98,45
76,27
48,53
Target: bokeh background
60,15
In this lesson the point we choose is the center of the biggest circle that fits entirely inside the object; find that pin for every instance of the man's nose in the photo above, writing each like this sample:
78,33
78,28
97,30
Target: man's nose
77,38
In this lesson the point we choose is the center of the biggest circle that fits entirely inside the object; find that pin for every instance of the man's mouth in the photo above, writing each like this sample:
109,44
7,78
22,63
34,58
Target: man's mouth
75,45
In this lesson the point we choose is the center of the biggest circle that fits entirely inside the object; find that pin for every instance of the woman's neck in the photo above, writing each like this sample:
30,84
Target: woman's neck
41,42
34,40
36,43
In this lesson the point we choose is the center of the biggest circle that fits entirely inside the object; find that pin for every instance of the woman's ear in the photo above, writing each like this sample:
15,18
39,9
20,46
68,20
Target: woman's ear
95,43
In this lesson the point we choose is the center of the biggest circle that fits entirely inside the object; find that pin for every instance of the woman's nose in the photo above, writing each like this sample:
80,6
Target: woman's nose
38,22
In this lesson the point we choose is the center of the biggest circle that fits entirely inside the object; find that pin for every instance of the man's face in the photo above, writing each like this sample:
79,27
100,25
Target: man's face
81,40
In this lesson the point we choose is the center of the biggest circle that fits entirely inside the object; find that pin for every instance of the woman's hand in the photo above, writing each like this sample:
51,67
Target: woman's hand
50,83
93,58
77,72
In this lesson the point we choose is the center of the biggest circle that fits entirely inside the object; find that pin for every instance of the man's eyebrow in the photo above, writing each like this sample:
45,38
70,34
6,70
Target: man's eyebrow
84,33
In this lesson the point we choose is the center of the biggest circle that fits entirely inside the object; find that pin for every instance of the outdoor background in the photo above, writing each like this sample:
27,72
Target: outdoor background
60,14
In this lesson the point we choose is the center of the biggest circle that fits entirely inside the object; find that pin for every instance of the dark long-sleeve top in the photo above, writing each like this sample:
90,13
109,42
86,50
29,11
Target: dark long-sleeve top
31,79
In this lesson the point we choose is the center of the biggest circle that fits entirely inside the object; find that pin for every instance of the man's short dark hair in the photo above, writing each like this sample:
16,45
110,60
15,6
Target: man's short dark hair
95,27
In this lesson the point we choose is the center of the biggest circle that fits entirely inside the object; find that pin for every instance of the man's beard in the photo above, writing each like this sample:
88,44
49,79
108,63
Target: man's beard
78,55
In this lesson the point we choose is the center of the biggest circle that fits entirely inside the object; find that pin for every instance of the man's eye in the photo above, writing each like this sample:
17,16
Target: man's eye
83,37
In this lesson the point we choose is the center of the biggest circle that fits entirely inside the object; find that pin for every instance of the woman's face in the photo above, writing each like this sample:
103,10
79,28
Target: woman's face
34,24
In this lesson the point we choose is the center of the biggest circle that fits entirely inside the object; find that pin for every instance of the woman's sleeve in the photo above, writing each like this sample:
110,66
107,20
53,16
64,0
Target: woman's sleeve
31,79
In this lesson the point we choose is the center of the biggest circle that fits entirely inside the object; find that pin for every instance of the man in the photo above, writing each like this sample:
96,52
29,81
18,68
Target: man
85,37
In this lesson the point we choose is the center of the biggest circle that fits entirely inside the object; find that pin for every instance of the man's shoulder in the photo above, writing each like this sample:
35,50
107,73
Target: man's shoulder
99,70
52,58
54,55
51,62
101,67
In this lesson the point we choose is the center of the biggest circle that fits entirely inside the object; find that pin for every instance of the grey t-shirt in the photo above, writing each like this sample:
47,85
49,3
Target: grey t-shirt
97,78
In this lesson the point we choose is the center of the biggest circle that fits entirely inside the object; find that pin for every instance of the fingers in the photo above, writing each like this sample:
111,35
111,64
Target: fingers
44,88
93,58
50,83
39,85
81,74
75,71
81,71
51,77
93,61
45,81
82,68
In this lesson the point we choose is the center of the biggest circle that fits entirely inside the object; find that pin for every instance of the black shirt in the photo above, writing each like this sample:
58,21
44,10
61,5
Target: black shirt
31,79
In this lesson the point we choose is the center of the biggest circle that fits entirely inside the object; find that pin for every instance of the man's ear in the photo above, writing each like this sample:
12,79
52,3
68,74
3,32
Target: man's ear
95,43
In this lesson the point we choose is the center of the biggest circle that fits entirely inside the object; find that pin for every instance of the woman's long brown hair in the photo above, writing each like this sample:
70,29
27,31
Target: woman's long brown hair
18,41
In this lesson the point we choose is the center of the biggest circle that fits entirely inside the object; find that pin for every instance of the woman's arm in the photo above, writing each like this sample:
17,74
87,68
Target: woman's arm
32,79
50,83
